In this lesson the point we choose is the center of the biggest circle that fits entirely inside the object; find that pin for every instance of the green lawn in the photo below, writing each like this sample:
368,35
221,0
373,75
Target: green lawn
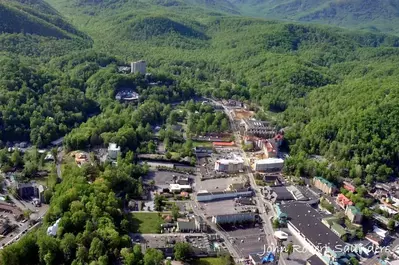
209,261
146,223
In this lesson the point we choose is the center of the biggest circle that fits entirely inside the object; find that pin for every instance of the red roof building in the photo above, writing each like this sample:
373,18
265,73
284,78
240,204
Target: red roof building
349,187
343,201
221,144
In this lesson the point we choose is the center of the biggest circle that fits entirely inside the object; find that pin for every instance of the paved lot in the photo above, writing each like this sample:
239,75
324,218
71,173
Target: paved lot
248,240
214,184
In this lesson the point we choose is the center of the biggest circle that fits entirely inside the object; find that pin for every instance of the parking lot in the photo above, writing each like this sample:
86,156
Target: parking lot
246,239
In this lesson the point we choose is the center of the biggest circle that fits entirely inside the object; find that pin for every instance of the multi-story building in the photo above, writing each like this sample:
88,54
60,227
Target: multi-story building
354,214
324,185
229,165
269,165
113,151
253,127
139,67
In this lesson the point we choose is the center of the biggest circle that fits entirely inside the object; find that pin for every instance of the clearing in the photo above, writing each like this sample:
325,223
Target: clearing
147,223
208,261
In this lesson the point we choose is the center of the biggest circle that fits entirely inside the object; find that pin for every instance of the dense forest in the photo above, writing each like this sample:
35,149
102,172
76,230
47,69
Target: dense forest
334,92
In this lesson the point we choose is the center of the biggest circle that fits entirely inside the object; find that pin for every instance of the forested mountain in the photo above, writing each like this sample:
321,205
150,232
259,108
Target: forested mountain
373,15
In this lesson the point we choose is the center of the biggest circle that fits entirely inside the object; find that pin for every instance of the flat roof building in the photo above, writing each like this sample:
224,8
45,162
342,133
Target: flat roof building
206,196
269,165
254,127
304,222
227,211
229,165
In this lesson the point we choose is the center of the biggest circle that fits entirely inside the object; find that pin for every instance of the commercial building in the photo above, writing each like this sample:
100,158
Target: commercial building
28,191
257,128
229,165
269,165
113,151
205,196
324,185
343,201
283,193
139,67
354,215
195,224
305,224
227,211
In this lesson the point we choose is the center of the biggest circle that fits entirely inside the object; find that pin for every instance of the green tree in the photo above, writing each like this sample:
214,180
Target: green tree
16,159
175,211
391,225
289,249
159,203
182,251
276,223
153,257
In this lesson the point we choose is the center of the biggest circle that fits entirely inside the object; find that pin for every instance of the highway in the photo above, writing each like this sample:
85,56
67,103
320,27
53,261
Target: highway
260,201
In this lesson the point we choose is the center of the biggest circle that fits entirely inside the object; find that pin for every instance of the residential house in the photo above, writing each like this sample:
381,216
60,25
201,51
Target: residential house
349,187
343,201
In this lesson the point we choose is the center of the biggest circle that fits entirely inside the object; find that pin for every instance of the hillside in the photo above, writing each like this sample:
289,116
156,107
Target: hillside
295,72
373,15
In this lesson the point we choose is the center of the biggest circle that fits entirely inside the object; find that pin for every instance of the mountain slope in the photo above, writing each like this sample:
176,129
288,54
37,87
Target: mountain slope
374,15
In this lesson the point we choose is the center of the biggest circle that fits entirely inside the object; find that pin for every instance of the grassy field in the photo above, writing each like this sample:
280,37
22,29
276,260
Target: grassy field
209,261
147,223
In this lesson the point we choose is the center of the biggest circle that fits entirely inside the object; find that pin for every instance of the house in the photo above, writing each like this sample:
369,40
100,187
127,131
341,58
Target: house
343,201
349,187
81,158
113,151
374,239
354,214
324,185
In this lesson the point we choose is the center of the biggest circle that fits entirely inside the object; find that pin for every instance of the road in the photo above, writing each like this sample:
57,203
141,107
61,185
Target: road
235,253
260,201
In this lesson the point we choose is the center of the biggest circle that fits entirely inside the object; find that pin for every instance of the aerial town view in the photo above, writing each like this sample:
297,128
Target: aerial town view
191,132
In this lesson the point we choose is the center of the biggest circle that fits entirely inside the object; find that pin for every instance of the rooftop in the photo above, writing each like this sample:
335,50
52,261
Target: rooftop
255,124
354,209
308,221
323,180
315,260
269,161
224,208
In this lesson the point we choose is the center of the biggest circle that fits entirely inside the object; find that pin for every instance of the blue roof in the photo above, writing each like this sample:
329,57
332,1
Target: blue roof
268,258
